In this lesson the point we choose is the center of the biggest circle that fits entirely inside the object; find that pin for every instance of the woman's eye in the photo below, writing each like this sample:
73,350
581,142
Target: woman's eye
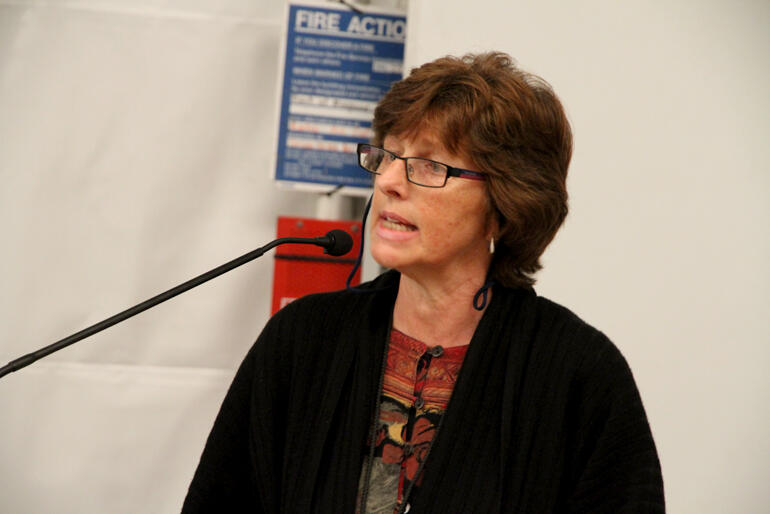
427,167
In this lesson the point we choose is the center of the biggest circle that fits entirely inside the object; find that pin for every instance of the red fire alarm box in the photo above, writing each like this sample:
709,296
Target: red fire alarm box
304,269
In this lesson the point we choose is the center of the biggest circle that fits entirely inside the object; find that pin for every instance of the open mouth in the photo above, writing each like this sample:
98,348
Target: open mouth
391,223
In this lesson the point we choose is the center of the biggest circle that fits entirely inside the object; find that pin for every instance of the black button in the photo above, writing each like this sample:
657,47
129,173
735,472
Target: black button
437,351
419,403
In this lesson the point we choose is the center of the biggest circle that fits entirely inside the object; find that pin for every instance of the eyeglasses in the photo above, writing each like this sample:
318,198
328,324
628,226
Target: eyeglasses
419,171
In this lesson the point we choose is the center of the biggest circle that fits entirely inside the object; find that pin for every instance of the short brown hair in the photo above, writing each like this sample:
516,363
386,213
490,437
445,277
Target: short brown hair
508,123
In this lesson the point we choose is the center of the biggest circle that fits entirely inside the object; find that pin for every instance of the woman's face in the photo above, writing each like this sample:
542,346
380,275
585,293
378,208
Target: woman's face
421,230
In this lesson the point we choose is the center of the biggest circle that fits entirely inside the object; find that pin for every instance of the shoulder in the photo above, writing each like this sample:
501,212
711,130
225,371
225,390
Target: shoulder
324,321
599,368
556,331
546,318
560,322
331,306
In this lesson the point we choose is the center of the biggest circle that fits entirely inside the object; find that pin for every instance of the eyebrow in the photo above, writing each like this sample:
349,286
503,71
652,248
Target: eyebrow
424,151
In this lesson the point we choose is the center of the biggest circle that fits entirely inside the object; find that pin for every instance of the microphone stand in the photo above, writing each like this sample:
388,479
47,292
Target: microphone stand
335,242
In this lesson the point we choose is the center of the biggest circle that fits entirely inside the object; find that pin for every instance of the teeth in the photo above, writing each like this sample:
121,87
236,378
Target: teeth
394,225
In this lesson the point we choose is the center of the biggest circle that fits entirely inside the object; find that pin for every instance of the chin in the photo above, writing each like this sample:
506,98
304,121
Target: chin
388,258
384,259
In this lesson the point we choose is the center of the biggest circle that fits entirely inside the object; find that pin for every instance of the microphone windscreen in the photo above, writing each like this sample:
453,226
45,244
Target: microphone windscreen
340,242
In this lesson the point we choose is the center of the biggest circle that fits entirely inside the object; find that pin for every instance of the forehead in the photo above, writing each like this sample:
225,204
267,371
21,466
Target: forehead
426,143
424,137
419,143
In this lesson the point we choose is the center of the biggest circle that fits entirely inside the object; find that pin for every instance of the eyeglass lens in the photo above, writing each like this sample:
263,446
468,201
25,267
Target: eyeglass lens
422,172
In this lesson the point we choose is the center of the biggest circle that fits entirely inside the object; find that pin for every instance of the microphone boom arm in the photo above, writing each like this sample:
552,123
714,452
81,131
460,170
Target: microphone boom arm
327,241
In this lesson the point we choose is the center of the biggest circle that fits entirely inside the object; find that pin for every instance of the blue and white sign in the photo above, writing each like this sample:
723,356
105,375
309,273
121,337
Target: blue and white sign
337,65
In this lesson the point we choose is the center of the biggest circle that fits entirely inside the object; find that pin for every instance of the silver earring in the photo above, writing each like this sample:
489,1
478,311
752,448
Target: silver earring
492,245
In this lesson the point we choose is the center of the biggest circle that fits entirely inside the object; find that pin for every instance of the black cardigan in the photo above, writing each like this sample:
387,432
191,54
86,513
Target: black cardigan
545,416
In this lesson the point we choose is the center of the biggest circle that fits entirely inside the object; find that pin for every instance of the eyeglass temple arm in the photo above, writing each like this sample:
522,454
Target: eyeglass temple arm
473,175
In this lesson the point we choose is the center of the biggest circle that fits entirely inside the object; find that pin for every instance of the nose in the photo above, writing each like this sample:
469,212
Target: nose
392,179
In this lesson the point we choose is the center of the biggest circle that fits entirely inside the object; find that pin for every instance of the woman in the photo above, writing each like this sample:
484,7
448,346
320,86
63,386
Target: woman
343,403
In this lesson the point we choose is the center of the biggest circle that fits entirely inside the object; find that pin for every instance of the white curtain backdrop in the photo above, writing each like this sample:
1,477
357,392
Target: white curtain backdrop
135,141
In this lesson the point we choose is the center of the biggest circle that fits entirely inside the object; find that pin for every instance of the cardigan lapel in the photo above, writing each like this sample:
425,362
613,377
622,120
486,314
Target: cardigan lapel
475,429
347,402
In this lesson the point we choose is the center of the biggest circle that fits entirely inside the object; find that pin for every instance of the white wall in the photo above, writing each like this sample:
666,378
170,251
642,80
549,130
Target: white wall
134,151
667,244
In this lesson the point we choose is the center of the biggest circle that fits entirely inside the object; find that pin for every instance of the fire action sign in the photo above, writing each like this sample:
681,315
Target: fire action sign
337,64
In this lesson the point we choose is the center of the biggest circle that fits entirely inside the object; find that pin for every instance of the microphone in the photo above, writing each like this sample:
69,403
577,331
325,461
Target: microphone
336,242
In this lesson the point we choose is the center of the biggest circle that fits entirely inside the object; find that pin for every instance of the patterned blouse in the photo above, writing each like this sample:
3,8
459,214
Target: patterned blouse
417,387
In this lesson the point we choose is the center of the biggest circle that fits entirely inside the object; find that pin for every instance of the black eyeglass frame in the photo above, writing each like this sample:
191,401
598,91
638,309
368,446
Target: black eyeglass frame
451,171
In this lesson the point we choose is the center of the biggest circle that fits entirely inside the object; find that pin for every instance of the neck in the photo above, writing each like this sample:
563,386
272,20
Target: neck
438,312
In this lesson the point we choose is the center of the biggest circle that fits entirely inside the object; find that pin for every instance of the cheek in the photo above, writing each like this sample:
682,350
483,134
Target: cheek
458,223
